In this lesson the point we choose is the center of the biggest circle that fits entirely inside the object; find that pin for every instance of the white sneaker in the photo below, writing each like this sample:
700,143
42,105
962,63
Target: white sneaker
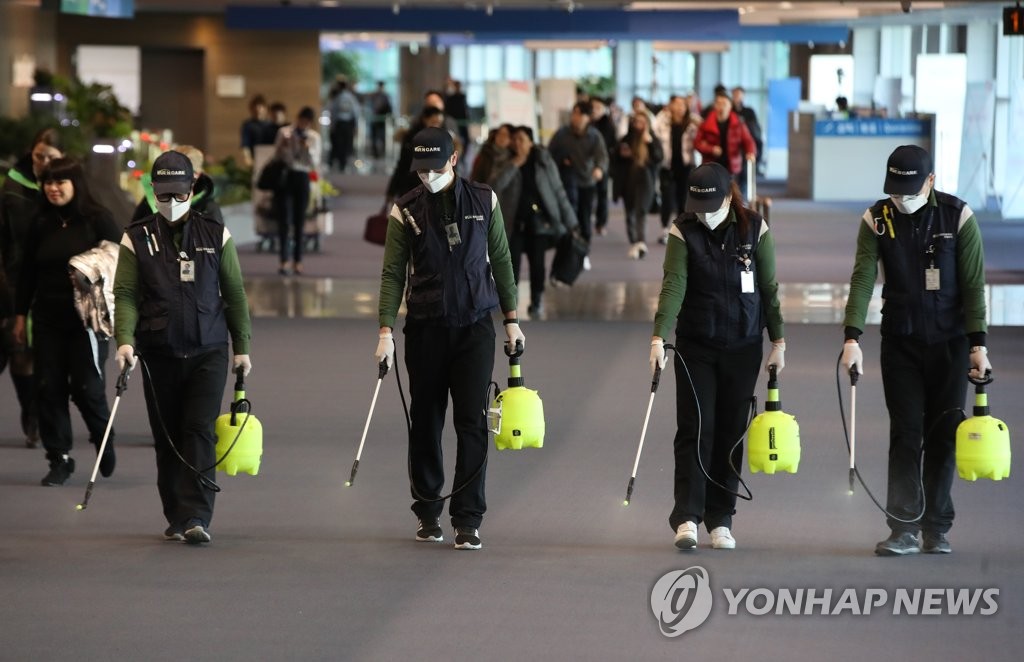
641,251
586,263
634,251
721,538
663,239
686,535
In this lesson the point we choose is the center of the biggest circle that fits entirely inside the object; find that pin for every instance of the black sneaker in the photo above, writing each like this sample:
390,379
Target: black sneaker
467,538
898,544
60,470
109,459
933,542
196,533
429,531
173,534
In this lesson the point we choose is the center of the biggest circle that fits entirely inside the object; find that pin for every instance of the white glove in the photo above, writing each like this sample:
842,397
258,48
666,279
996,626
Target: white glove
658,355
125,355
242,361
514,333
852,356
979,363
385,350
776,357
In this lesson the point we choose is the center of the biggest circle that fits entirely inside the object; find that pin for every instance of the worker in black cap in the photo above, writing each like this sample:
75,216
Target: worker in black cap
933,330
719,289
448,235
178,298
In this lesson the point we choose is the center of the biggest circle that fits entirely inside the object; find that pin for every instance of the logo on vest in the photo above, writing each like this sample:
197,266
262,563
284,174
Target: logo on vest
206,249
473,217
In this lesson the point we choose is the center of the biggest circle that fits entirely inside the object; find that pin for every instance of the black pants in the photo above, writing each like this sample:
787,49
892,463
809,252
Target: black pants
581,198
19,357
535,247
69,363
440,360
183,397
342,142
922,384
601,202
673,192
292,213
377,129
724,380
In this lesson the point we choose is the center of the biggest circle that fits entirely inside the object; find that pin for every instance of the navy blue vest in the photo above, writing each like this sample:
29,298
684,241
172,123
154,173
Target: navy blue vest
924,240
451,286
714,310
178,317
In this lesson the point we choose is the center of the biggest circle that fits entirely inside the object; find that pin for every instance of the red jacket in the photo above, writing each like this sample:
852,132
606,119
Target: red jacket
708,138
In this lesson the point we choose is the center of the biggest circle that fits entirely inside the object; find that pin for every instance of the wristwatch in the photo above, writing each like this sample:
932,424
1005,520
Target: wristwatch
979,348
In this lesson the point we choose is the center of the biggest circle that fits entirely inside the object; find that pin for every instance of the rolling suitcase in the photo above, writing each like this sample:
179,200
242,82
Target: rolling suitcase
760,204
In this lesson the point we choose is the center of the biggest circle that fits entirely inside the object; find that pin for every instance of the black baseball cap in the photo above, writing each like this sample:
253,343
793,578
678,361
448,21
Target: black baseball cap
172,173
707,186
431,149
907,170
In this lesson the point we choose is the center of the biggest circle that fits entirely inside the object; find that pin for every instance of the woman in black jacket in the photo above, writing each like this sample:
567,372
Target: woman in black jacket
535,207
69,358
20,198
636,164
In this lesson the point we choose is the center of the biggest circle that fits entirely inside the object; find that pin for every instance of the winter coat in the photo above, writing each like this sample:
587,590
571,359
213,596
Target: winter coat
740,144
557,217
19,205
663,131
489,163
637,182
92,274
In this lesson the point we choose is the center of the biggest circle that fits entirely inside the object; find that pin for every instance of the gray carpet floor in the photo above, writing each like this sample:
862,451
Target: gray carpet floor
302,567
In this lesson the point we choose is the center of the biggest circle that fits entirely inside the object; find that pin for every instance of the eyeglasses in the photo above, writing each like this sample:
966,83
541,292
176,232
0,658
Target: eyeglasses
166,197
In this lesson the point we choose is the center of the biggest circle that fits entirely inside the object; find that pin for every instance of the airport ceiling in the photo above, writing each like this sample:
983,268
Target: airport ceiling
752,12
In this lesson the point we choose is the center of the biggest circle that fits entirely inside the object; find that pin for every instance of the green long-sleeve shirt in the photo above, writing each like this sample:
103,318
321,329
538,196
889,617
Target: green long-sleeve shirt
673,283
970,264
396,261
127,292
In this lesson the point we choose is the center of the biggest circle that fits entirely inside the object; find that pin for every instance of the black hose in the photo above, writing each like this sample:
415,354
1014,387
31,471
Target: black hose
920,464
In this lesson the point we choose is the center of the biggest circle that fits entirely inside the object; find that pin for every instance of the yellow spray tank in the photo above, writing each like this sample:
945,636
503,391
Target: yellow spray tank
239,436
516,417
773,443
982,442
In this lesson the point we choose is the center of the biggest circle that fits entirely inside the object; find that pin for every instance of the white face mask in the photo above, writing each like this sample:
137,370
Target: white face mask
908,204
714,219
436,181
173,210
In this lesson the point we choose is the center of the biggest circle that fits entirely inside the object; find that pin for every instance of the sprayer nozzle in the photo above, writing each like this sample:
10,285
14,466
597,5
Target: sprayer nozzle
348,483
626,502
79,507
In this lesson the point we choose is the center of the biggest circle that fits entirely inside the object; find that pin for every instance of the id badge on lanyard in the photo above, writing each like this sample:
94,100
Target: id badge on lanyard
186,268
932,280
746,276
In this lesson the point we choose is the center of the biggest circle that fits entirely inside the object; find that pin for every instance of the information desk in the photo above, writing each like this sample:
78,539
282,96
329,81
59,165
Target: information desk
844,159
